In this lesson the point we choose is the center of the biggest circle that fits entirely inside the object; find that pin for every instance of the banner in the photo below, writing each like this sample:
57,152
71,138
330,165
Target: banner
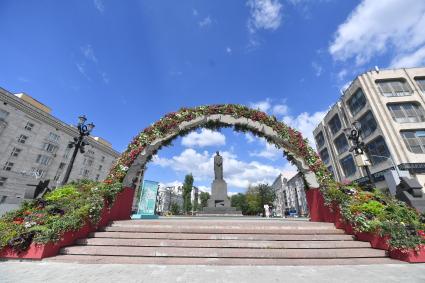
147,202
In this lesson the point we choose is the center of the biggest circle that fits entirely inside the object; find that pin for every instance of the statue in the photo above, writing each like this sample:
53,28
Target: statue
218,166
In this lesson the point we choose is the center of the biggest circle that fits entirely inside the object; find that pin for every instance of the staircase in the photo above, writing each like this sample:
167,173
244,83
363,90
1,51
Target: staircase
210,241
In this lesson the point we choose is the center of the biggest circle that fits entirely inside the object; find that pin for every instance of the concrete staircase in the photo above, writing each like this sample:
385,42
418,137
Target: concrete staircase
222,242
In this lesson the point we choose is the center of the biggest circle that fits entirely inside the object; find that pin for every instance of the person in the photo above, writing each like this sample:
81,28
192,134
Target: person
267,210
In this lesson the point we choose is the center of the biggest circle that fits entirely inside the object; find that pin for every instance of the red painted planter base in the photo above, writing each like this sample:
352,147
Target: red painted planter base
120,210
409,256
376,241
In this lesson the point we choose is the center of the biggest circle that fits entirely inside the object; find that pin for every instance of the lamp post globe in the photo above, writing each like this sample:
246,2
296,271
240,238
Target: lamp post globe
78,144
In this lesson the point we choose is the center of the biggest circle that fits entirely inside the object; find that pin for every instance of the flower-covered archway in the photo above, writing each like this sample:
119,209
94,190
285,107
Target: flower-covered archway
172,125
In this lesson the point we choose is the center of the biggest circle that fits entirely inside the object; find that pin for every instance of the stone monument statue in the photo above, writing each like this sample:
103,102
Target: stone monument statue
218,166
219,203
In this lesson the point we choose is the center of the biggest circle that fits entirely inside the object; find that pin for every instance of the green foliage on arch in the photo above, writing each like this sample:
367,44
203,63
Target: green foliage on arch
169,124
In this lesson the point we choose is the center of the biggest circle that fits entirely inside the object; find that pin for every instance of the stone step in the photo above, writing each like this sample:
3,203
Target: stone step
194,236
222,222
201,229
221,252
88,259
223,243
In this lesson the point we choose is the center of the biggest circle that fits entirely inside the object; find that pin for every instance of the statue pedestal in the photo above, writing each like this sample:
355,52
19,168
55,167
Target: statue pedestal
219,204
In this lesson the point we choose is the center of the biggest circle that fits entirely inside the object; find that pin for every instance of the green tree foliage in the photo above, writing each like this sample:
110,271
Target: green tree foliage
204,196
196,202
175,208
187,191
239,201
257,196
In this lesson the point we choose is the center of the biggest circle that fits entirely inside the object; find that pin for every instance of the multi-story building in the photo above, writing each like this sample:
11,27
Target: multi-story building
389,104
173,194
34,147
290,196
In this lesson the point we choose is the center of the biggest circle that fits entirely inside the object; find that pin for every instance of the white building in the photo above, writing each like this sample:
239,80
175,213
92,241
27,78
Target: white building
389,104
290,196
173,194
34,147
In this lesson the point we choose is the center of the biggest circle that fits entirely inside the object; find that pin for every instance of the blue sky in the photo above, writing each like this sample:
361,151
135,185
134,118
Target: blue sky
127,63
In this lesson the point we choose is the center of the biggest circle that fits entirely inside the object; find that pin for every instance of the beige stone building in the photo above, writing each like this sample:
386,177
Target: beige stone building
389,104
34,147
290,196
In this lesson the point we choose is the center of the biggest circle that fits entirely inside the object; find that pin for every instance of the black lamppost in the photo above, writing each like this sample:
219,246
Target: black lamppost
359,149
78,143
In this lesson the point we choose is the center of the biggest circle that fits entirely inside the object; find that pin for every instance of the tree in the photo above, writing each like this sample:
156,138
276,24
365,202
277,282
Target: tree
196,202
239,201
204,199
257,197
175,208
187,192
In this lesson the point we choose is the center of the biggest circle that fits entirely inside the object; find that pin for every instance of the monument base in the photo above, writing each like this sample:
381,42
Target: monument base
220,211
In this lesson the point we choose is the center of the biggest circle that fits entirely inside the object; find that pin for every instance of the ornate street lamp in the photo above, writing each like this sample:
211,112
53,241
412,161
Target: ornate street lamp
359,148
78,143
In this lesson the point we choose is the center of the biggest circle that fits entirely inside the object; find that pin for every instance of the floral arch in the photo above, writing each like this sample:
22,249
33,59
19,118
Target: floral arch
130,164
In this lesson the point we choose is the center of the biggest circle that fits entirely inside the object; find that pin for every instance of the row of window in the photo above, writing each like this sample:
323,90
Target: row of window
408,112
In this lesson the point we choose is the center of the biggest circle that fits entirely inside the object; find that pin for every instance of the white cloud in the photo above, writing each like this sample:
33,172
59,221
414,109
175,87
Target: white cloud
228,50
205,22
105,77
203,138
236,173
264,14
82,69
195,12
378,27
88,53
99,5
269,151
267,106
317,69
414,59
249,138
305,123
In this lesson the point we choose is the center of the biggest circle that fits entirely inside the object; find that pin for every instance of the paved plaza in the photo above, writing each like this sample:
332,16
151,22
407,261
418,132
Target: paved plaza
13,271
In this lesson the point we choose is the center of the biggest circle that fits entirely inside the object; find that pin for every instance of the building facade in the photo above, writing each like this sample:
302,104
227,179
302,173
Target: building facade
167,195
290,196
389,104
34,147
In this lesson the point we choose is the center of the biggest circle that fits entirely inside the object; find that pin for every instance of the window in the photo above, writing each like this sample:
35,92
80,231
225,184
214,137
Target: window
50,147
15,152
414,140
86,173
335,124
391,88
57,176
102,159
348,166
421,83
66,154
320,141
43,159
368,124
29,126
53,137
341,144
324,155
100,167
2,181
3,114
377,151
61,165
8,166
97,177
37,172
22,139
407,112
90,152
356,102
